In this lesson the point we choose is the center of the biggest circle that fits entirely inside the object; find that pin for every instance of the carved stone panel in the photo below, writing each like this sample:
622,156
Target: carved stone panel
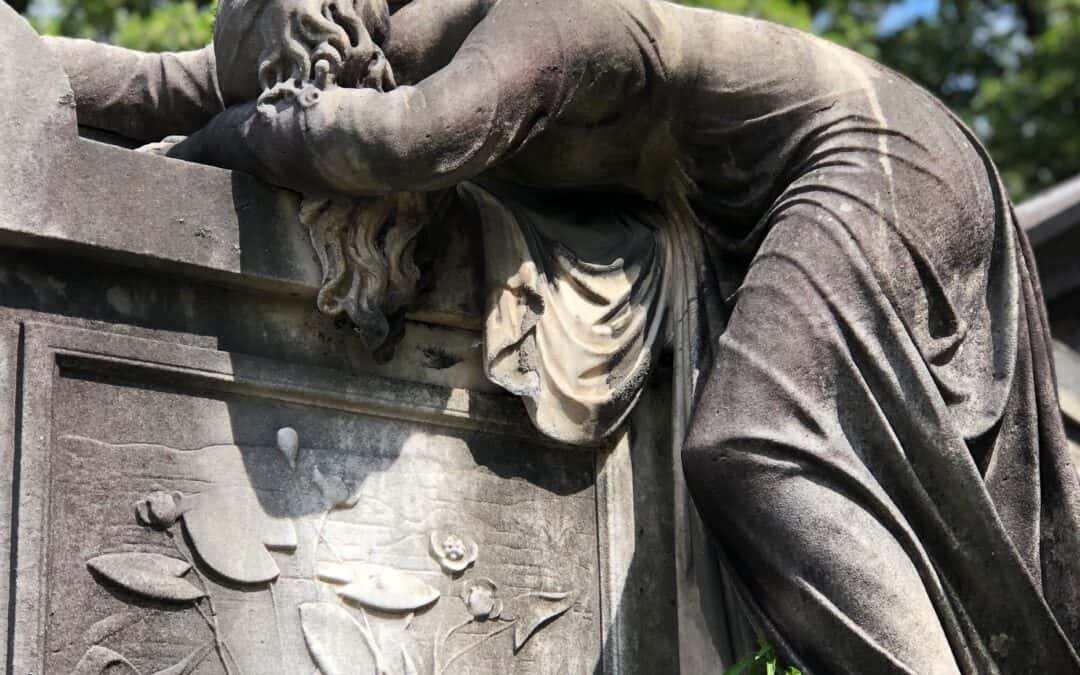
184,510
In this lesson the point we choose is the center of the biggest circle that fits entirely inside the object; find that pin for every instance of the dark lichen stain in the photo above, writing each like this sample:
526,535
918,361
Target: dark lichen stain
438,359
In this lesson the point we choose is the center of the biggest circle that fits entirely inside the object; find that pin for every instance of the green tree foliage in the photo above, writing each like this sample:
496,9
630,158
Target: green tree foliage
171,27
1032,105
795,13
152,25
1007,67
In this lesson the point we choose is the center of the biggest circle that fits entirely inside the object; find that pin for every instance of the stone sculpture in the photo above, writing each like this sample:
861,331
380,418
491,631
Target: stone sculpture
855,317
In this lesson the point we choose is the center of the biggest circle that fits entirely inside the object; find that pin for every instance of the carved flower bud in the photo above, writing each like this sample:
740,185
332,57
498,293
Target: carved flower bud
288,444
334,489
159,509
454,553
479,596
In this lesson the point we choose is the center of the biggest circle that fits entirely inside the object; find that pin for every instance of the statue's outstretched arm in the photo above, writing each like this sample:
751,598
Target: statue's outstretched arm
146,96
502,86
139,95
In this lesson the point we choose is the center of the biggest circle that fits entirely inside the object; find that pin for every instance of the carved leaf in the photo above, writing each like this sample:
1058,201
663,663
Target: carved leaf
388,589
98,660
279,534
333,573
190,662
100,630
148,574
336,644
533,610
227,529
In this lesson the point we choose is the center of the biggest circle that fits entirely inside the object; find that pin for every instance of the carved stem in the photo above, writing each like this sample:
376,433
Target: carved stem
277,625
365,628
224,653
369,638
474,645
321,537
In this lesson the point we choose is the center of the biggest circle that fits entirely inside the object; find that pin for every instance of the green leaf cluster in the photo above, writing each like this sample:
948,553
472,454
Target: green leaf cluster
172,27
762,662
1031,105
795,13
1009,68
149,25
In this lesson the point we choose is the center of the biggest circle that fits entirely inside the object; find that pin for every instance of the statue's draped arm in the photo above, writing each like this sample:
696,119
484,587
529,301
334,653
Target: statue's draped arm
425,35
140,95
497,92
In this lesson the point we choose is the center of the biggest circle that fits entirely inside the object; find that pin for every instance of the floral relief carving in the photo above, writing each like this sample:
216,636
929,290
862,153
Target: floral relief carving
387,589
362,621
102,660
480,599
148,574
454,553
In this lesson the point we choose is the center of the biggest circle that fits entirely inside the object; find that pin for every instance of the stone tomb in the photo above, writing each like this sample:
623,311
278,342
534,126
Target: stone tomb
205,475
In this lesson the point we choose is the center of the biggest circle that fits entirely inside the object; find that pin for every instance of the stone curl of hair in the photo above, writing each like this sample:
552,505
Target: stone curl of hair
365,246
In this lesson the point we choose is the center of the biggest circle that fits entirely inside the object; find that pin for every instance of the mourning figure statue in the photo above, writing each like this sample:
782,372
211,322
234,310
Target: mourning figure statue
861,347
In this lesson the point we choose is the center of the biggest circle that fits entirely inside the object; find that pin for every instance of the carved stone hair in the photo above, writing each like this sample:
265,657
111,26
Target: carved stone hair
365,246
366,249
272,48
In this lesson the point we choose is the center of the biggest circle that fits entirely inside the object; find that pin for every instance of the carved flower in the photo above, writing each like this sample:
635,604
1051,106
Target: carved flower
227,527
454,553
480,599
159,509
334,489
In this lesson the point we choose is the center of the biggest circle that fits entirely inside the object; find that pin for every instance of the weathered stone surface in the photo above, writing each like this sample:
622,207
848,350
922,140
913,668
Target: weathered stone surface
128,435
187,422
37,120
103,202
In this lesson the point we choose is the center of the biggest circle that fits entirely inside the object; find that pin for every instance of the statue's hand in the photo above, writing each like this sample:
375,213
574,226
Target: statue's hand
163,146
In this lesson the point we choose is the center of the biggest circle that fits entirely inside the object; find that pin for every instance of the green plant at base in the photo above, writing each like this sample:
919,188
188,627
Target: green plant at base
763,662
